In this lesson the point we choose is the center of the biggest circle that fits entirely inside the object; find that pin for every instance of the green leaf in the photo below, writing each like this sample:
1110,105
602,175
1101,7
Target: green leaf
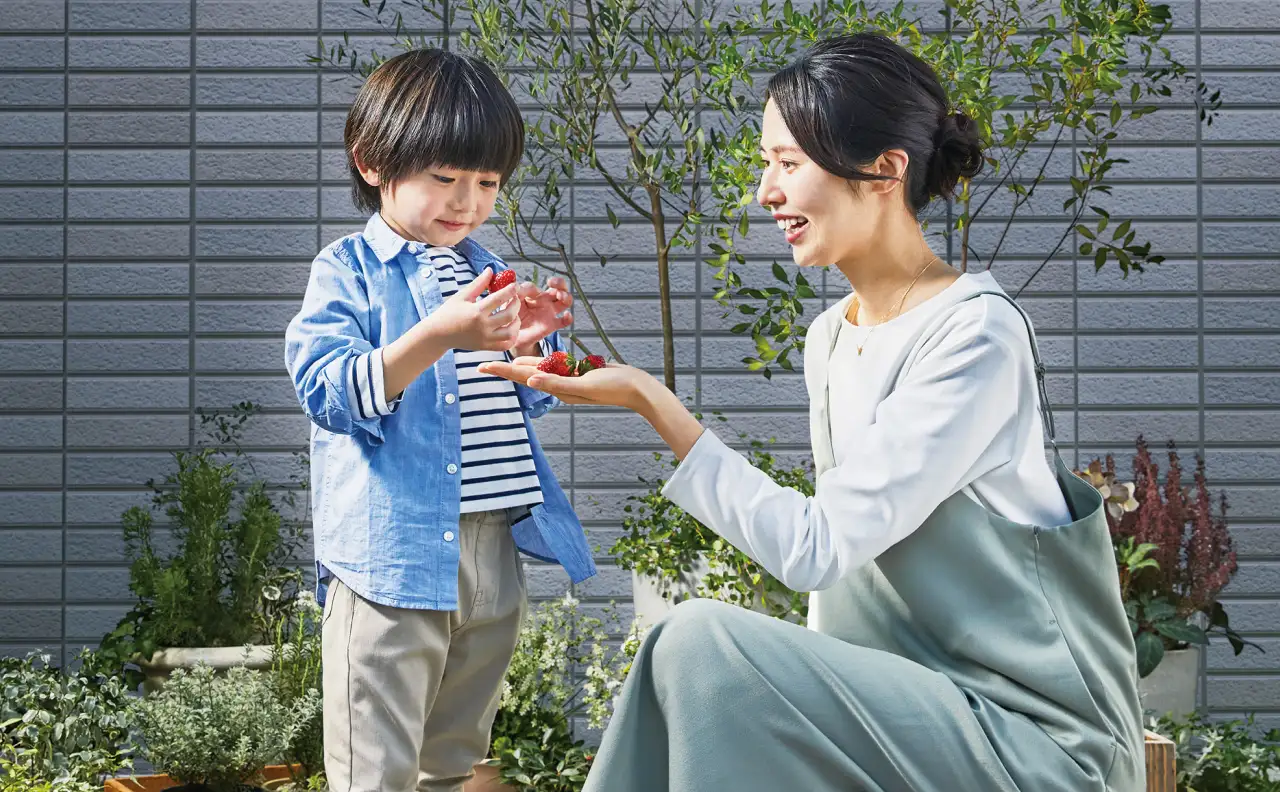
1150,652
1182,631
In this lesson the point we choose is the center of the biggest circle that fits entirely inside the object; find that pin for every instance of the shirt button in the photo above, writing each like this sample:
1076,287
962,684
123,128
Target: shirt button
452,468
449,398
448,536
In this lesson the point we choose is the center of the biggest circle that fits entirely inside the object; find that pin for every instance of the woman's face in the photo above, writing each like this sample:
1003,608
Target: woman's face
825,218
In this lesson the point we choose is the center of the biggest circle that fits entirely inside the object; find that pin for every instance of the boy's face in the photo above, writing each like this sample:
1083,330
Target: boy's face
439,206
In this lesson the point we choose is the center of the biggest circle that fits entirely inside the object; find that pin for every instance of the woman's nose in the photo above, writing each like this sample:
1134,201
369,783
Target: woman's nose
768,194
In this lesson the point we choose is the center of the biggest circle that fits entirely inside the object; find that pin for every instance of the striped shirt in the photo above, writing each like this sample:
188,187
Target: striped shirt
497,462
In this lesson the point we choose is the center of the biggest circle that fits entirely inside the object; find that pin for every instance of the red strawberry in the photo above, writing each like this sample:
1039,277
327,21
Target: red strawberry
590,363
502,280
558,363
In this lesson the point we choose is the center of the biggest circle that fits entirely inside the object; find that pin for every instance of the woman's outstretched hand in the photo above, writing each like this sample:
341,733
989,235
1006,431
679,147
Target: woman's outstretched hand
614,385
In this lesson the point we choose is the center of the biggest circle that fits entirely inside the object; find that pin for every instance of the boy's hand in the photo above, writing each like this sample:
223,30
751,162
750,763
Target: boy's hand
542,312
466,322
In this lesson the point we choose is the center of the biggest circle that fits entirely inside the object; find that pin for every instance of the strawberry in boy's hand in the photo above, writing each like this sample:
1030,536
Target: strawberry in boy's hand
502,280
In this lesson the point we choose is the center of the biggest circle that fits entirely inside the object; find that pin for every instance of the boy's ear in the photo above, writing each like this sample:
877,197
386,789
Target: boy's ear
370,175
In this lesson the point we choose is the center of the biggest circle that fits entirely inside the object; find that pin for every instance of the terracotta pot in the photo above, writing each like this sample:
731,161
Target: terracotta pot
220,658
158,783
1171,687
486,780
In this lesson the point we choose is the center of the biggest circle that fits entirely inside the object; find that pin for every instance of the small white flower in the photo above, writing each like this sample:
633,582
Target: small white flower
271,593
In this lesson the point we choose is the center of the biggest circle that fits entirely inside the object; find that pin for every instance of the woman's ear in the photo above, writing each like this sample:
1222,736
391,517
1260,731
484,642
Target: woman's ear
370,175
892,165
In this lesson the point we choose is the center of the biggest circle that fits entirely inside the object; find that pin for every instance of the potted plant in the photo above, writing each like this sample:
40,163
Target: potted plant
296,676
215,732
1174,557
62,729
673,557
213,598
563,669
1231,756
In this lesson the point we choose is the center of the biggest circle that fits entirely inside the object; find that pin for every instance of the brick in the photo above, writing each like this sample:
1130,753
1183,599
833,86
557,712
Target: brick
33,15
30,318
1256,50
32,546
128,203
276,89
103,508
32,242
1252,426
290,430
1167,276
31,203
127,393
342,15
31,90
255,203
30,623
100,52
137,241
1127,351
333,164
220,393
33,52
244,317
91,622
1254,237
282,52
1242,352
130,15
255,127
331,125
1241,276
609,582
1253,502
130,166
19,128
128,279
1141,389
1251,464
29,166
1261,313
1263,389
1256,540
100,546
751,390
128,318
31,280
244,14
114,469
1098,426
542,581
133,127
30,431
283,277
31,470
1222,657
35,584
30,508
1238,163
137,90
1243,693
241,355
150,355
254,241
89,584
247,165
1243,124
128,431
1247,14
337,203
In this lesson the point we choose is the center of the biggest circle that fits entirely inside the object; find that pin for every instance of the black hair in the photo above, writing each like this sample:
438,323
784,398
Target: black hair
851,98
431,108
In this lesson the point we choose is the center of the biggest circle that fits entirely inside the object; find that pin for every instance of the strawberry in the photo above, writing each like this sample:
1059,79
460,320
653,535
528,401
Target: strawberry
558,363
502,280
590,363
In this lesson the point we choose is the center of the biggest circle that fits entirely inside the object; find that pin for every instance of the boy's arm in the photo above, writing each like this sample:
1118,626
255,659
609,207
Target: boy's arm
337,373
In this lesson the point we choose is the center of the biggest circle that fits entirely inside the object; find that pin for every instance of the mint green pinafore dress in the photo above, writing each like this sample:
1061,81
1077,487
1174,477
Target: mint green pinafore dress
976,655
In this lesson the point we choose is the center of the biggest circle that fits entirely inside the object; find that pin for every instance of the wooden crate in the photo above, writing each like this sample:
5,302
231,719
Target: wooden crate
1161,763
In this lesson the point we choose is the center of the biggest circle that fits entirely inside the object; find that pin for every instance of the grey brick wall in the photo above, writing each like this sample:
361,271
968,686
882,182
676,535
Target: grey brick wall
169,167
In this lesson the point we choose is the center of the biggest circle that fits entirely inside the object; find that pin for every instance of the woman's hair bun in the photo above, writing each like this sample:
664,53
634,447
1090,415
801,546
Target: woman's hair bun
957,154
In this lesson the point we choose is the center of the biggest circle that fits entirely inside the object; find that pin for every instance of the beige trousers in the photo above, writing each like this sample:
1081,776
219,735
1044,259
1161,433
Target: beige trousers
410,695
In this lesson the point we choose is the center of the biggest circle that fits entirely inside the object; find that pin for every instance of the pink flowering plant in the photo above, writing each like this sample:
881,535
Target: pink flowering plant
1174,553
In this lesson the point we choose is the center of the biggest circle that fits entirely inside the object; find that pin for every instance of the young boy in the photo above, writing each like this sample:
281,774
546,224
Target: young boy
427,477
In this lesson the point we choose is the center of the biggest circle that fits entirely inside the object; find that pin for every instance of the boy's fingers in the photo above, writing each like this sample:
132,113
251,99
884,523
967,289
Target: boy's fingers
495,299
477,286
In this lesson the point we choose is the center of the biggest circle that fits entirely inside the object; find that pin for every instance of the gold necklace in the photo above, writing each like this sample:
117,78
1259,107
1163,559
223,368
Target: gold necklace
898,310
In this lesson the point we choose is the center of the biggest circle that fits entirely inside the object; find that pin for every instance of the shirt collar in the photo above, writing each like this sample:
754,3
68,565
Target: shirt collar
387,244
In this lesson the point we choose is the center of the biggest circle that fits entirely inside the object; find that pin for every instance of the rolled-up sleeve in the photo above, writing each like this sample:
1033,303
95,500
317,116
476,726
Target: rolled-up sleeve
336,371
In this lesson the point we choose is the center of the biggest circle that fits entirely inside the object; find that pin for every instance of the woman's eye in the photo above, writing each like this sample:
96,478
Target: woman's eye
787,164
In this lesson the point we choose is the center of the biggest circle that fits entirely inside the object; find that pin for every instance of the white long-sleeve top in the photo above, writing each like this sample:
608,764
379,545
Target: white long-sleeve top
942,400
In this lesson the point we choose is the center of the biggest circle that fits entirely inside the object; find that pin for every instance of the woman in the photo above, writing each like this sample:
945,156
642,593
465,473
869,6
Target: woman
966,630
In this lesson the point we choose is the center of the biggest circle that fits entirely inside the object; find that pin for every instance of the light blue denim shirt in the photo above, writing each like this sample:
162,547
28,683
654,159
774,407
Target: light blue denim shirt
386,477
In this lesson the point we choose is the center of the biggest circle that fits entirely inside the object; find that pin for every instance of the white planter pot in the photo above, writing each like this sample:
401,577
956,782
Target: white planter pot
650,604
220,658
1171,687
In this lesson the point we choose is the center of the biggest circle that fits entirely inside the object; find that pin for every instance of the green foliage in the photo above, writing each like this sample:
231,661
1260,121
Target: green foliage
61,729
664,542
556,763
1224,756
219,730
296,674
232,571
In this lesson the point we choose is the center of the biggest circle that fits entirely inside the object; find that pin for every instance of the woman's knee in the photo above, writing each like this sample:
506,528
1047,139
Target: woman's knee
695,632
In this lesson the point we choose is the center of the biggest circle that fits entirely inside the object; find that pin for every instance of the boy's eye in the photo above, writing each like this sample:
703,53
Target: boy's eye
489,184
444,179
